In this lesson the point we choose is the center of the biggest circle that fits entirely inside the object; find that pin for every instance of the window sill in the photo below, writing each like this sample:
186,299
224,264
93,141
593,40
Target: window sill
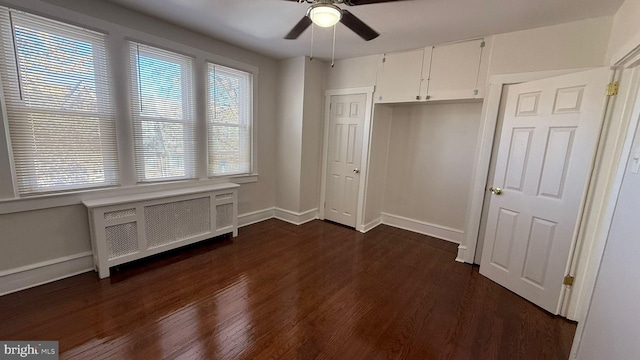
39,202
238,179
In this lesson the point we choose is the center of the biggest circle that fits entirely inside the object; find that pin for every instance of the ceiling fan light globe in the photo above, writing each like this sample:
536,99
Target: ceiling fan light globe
325,16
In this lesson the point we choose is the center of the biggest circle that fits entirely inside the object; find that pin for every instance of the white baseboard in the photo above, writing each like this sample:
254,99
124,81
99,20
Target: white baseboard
25,277
366,227
421,227
295,218
44,272
462,253
255,217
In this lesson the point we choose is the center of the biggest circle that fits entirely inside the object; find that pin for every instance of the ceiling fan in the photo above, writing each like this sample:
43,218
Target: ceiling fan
326,13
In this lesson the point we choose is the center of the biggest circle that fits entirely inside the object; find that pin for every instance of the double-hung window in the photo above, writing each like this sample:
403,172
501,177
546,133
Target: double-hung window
229,120
163,114
58,104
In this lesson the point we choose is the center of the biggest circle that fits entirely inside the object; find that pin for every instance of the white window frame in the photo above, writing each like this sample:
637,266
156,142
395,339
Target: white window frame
250,123
103,101
189,117
118,52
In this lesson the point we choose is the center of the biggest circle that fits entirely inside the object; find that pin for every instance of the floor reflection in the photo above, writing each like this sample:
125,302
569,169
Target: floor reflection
234,336
284,291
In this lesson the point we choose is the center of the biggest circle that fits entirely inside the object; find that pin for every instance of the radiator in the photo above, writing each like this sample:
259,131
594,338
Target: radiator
131,227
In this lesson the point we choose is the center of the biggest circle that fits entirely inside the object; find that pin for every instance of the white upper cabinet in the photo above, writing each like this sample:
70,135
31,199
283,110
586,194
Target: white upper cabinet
443,72
455,69
400,76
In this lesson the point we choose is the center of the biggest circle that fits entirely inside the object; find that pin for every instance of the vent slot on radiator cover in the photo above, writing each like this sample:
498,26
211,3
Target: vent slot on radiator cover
119,214
224,216
122,239
175,221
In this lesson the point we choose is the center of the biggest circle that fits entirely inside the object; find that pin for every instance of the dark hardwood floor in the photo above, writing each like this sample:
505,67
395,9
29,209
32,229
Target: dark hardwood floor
318,290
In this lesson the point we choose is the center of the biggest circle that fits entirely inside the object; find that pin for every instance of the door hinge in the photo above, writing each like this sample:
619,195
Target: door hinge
384,59
482,44
612,89
325,204
568,280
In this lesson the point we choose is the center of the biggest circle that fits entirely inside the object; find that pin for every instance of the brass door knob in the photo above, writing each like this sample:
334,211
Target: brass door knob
496,191
356,171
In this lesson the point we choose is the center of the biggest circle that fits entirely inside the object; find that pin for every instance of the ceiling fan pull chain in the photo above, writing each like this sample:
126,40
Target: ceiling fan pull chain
333,53
311,55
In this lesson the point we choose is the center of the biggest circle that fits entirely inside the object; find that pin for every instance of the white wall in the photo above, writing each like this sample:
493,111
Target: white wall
430,159
354,72
40,235
289,132
30,237
299,133
312,131
377,171
625,31
613,322
571,45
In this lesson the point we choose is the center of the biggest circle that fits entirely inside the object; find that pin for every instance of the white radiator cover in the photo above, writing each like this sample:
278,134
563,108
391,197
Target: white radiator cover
127,228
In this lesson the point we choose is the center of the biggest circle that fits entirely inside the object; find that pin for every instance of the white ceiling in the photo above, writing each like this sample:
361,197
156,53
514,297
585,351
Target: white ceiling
260,25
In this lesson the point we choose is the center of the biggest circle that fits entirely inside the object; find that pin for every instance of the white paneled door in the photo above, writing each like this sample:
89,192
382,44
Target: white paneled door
548,141
343,158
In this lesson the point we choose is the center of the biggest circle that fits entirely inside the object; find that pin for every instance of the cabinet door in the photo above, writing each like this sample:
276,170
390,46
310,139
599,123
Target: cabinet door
454,70
426,68
483,74
399,78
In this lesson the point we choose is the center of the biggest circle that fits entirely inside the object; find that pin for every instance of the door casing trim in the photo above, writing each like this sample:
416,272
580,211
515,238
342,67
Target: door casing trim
366,141
484,147
629,117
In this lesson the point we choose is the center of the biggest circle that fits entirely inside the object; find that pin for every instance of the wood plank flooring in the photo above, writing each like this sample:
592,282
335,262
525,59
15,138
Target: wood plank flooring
280,291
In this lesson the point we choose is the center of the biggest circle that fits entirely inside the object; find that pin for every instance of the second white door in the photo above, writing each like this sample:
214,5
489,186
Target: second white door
549,136
343,158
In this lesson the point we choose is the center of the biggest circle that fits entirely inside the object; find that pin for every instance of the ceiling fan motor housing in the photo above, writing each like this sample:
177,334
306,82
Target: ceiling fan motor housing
324,15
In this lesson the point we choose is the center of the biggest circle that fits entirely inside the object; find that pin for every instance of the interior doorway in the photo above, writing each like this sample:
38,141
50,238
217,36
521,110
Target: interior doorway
344,158
544,160
345,155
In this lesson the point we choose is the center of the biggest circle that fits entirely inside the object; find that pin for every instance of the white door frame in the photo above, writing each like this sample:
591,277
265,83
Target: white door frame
366,140
573,306
484,148
629,113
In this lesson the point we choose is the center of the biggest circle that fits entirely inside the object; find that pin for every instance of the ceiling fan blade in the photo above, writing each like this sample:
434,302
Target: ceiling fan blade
366,2
300,27
358,26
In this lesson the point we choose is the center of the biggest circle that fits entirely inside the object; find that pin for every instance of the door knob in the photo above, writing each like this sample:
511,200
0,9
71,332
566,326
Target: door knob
496,191
356,171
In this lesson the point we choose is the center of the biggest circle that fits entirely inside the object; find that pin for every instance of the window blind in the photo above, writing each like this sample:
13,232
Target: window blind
58,104
229,120
163,114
